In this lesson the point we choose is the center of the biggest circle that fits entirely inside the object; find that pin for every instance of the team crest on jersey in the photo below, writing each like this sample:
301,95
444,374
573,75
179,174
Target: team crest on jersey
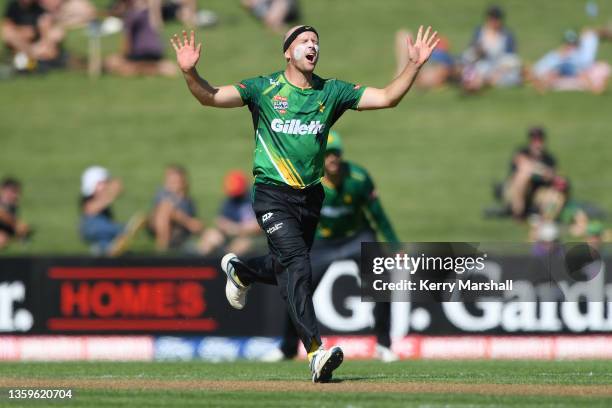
280,103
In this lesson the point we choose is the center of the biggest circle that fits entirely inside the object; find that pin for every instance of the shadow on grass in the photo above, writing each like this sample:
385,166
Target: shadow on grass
356,378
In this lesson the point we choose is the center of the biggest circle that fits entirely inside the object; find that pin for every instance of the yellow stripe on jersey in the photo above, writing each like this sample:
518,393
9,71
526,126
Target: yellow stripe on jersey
296,172
271,157
283,165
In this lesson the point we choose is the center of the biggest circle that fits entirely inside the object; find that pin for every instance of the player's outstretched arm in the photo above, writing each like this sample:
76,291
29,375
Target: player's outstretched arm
418,54
187,56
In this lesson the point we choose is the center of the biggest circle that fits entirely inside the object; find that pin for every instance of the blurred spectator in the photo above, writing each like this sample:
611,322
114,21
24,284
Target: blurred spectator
547,240
572,66
143,52
594,235
173,218
439,70
531,168
236,225
554,203
275,14
97,227
69,14
35,41
187,13
597,234
11,226
575,217
591,263
491,58
550,200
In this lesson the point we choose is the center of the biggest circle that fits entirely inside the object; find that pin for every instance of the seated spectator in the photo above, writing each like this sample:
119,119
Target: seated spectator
275,14
35,41
439,70
187,13
11,226
184,11
236,225
550,200
173,218
531,168
572,66
70,14
491,58
143,52
97,226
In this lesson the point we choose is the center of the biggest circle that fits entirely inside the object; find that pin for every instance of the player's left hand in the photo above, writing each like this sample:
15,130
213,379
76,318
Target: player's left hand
420,50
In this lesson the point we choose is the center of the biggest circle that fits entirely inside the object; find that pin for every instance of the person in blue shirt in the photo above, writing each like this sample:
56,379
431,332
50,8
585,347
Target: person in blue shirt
236,225
572,66
491,59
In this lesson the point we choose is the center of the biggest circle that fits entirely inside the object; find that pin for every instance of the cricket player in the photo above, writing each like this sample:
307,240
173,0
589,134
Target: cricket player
292,112
351,214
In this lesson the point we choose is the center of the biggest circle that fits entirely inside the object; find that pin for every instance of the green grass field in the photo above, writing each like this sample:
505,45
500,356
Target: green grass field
358,384
434,157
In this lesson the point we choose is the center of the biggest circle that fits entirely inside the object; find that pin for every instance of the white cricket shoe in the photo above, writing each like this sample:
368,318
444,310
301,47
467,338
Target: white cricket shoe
385,354
324,362
235,292
273,356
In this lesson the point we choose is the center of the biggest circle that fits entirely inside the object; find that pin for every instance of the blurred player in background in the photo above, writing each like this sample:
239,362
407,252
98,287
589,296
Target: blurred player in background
11,226
351,214
292,112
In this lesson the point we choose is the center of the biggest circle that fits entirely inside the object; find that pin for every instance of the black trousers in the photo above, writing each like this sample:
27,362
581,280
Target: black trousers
323,254
289,218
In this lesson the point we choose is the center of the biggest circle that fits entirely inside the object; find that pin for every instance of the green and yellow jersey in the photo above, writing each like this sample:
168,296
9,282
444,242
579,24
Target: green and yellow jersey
291,125
352,207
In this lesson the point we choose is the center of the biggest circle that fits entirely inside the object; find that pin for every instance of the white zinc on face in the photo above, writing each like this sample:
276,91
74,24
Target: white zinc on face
299,51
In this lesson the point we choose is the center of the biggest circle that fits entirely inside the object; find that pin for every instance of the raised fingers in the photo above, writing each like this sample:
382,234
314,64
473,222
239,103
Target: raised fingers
185,40
419,35
176,42
426,35
192,39
432,39
433,47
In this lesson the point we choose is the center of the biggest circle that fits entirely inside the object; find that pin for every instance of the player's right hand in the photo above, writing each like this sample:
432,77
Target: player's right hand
187,53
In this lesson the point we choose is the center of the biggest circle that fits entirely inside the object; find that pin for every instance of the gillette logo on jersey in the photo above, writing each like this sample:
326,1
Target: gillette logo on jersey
296,127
